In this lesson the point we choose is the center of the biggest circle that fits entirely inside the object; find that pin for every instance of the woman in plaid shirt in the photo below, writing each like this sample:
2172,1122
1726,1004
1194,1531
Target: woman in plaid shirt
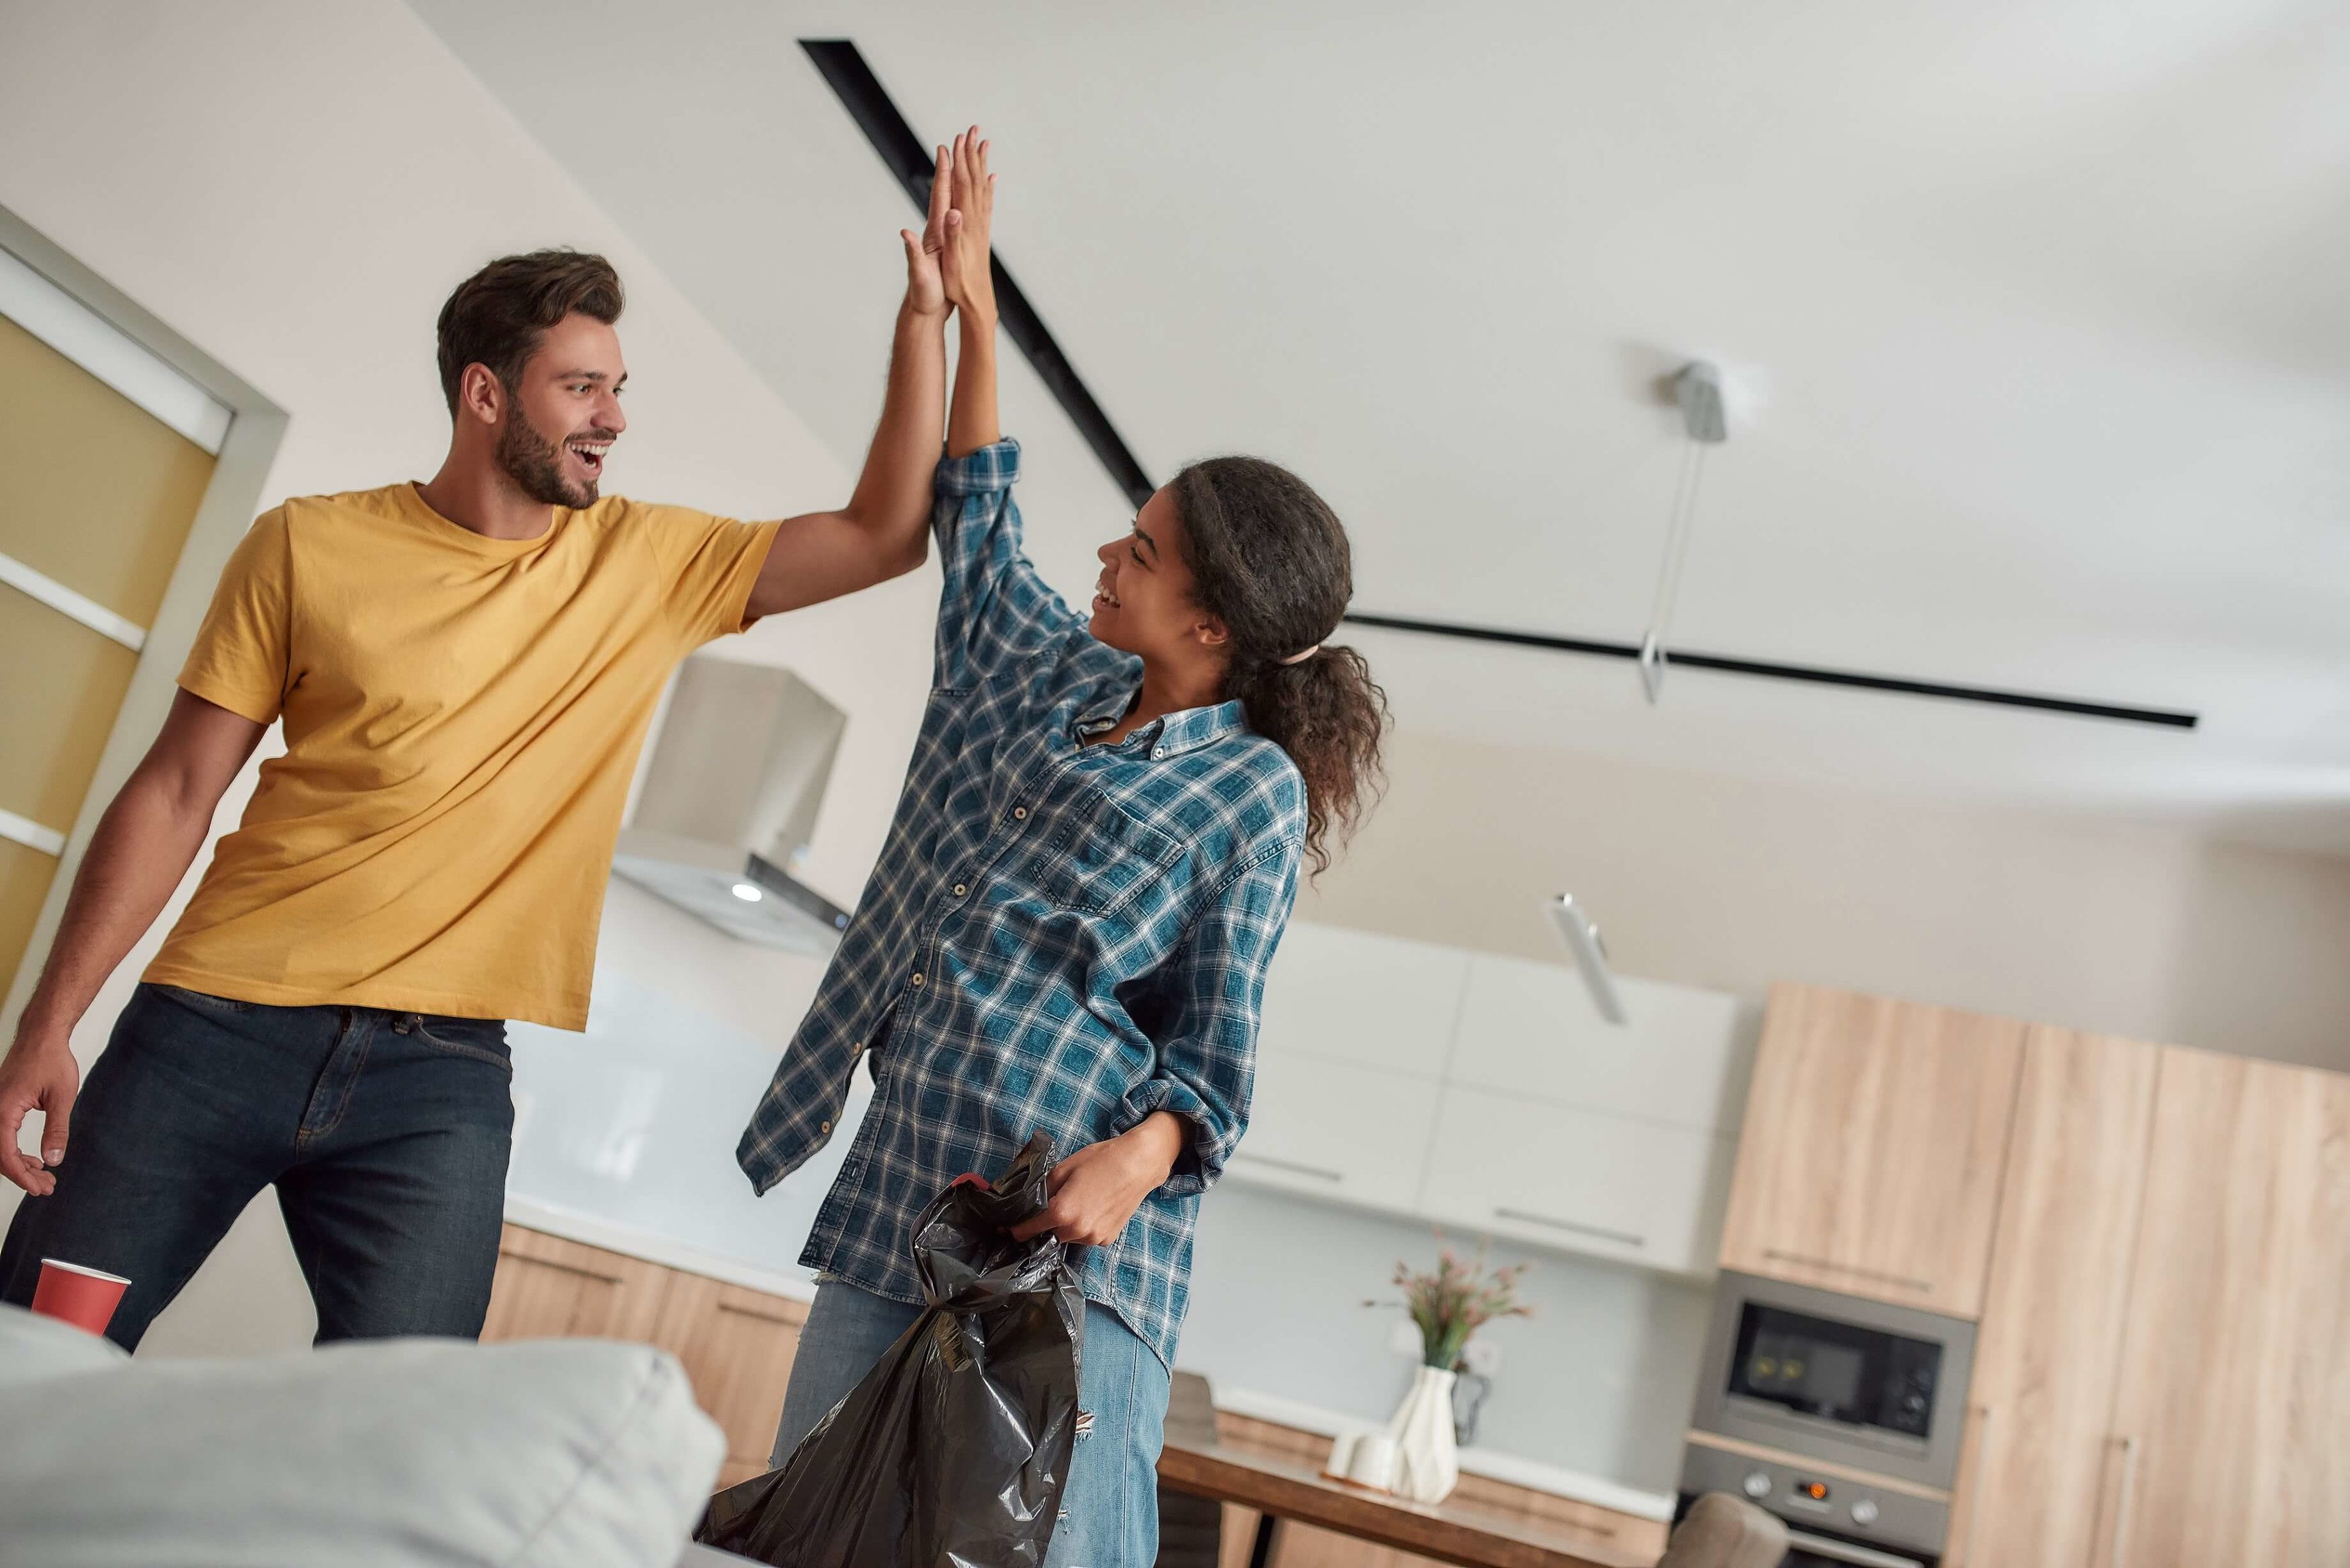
1067,931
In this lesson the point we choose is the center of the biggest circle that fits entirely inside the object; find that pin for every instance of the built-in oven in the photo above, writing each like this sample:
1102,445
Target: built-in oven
1841,1416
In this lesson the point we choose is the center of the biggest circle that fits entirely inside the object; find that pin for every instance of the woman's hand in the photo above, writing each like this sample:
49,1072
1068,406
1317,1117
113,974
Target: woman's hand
925,290
970,218
1096,1190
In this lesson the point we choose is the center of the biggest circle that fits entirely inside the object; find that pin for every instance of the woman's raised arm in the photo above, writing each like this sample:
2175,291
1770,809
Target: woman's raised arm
971,421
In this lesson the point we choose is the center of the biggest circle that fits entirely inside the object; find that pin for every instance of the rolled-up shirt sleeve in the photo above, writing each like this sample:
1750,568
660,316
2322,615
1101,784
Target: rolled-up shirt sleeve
993,604
1215,992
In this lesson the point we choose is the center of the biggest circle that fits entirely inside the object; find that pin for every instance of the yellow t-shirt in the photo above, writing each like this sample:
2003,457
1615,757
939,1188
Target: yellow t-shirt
462,718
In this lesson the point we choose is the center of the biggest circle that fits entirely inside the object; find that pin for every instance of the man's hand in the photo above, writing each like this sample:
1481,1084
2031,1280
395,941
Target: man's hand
40,1075
1096,1190
925,292
883,531
145,843
970,218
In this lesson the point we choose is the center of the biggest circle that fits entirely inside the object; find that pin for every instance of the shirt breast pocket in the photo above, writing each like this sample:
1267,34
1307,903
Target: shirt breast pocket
1099,860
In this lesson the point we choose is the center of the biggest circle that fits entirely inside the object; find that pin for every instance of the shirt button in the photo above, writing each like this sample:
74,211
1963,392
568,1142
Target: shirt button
918,979
1160,753
824,1127
960,890
1019,814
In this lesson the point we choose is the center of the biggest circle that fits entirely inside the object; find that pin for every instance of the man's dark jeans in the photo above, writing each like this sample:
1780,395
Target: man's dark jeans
386,1135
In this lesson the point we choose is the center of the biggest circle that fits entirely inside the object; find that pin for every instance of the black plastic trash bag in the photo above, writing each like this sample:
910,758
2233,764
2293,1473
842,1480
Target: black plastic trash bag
954,1451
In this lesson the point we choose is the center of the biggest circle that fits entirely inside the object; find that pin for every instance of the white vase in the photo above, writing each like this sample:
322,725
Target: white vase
1427,1463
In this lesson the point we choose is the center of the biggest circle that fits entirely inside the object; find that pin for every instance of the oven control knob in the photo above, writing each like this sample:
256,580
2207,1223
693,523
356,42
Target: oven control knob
1758,1485
1863,1512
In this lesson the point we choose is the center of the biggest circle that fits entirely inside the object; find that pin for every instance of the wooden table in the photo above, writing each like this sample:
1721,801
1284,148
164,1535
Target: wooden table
1282,1489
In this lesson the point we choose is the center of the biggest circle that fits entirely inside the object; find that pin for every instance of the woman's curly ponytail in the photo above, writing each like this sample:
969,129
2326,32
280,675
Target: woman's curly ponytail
1272,562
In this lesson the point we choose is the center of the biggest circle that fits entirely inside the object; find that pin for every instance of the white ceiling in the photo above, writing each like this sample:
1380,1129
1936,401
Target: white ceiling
2043,302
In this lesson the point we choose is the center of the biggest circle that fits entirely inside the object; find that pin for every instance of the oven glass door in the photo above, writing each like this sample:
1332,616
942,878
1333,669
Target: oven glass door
1865,1379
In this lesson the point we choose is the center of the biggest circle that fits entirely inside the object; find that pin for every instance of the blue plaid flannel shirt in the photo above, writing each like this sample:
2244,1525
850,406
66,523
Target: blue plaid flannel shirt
1057,936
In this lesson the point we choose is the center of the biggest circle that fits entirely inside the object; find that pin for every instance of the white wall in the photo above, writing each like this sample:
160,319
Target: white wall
295,186
1600,1379
2132,927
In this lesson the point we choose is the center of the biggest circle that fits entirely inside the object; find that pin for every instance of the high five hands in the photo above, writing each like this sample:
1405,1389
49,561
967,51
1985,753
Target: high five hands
971,217
946,264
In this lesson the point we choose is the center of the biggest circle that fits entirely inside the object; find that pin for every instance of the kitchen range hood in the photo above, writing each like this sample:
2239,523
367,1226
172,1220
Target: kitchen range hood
729,803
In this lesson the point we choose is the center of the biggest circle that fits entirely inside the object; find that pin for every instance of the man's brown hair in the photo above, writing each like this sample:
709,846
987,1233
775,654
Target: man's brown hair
498,314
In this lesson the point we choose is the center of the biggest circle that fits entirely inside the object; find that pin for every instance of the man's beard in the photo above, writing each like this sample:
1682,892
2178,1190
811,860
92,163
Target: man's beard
536,465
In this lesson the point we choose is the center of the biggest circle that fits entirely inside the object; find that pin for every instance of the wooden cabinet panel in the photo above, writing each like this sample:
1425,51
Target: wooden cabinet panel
1870,1157
737,1346
1599,1526
548,1288
1305,1546
1353,997
1605,1185
1530,1028
2039,1432
1325,1129
2235,1383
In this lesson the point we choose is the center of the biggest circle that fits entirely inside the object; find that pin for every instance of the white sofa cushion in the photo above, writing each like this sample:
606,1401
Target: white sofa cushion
399,1453
32,1348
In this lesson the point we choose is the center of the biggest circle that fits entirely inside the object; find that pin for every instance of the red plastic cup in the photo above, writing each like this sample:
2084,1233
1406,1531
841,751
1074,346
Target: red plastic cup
84,1298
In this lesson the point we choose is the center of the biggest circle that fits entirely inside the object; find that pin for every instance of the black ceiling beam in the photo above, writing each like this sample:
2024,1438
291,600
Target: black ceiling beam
2162,718
861,93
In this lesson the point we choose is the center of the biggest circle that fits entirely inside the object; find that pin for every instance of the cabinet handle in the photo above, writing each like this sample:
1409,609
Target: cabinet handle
1576,1226
1291,1166
1846,1551
1982,1465
2129,1492
1904,1280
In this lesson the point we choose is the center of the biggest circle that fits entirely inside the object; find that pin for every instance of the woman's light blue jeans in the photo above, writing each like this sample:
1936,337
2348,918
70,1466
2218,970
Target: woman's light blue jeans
1109,1512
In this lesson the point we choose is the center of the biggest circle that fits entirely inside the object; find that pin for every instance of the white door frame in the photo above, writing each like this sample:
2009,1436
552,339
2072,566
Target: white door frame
241,465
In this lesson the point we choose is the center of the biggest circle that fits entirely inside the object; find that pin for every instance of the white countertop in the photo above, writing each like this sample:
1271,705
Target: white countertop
1532,1474
573,1225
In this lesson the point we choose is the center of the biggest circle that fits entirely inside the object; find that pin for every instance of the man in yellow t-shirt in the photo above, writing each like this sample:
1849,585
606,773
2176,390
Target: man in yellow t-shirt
466,669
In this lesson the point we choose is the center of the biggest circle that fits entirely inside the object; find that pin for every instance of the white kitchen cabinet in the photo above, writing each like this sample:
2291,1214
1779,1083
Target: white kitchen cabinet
1352,996
1485,1093
1582,1180
1336,1131
1683,1057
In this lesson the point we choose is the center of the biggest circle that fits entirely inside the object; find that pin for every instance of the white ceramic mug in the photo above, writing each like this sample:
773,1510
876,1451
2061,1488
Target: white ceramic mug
1342,1453
1374,1461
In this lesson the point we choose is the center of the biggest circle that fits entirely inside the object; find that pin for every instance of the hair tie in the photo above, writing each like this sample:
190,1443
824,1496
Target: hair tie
1300,658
